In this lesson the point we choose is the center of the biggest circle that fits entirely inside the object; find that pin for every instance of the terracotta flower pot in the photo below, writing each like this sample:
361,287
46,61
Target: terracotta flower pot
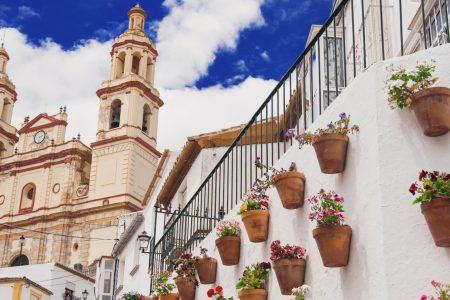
186,288
291,188
253,294
206,269
290,273
229,249
334,244
256,224
432,109
331,151
171,296
437,215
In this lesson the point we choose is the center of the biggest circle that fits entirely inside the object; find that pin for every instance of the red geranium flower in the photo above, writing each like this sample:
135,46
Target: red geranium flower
413,188
210,293
219,289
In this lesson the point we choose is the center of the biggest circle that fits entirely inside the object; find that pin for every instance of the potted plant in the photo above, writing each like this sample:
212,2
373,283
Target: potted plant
290,184
254,211
300,292
414,91
289,264
331,235
442,291
229,242
252,284
164,288
134,296
206,267
217,293
185,278
330,143
433,190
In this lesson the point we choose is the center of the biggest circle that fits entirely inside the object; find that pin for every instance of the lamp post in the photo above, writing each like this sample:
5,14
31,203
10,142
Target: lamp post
144,241
22,242
85,294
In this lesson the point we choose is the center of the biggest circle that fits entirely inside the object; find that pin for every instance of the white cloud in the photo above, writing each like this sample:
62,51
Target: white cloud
265,55
189,38
25,12
194,31
191,111
47,76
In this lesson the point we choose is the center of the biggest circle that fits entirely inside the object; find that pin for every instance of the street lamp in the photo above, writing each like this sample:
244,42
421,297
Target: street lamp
22,242
144,241
85,294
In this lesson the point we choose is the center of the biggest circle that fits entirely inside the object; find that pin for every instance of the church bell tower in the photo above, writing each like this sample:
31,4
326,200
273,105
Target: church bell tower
8,97
124,153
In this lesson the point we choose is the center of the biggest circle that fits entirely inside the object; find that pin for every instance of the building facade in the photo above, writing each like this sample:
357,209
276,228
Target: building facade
62,196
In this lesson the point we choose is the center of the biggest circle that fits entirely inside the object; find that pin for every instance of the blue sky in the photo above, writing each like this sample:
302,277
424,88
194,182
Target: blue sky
214,55
267,50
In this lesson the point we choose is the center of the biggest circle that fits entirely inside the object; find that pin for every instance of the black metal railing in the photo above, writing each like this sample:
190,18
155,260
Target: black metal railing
338,51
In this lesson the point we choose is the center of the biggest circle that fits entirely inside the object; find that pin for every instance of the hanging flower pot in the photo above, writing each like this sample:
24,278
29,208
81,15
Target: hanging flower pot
171,296
437,215
289,264
256,224
413,90
332,237
329,143
290,273
185,280
253,294
433,189
186,288
206,267
252,284
290,187
229,242
331,152
334,244
432,110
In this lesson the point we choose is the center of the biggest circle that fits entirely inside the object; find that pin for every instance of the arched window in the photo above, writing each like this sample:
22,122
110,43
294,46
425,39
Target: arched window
149,74
20,260
27,197
146,119
135,63
2,150
115,114
120,64
6,110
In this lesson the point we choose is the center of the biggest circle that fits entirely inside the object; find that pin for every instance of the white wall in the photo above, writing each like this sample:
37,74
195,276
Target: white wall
52,278
392,254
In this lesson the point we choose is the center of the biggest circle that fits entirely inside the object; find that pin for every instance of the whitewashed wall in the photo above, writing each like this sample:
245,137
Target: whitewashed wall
392,254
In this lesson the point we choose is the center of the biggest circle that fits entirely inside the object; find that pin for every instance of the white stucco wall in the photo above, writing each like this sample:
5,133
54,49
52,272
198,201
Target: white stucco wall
52,278
392,253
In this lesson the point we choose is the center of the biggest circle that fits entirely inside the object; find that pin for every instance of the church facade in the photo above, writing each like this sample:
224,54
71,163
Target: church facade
62,196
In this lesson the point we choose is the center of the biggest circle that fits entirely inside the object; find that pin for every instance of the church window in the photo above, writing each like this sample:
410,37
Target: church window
146,119
135,63
120,65
20,260
27,198
2,149
115,114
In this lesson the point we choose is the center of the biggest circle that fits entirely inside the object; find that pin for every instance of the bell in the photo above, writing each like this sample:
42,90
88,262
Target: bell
115,121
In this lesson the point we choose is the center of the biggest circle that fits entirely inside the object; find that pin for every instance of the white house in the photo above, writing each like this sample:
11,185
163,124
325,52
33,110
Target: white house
50,281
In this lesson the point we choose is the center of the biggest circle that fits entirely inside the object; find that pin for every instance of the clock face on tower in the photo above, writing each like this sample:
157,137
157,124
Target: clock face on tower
39,137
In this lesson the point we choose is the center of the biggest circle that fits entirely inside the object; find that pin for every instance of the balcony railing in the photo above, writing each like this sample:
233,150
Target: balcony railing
357,34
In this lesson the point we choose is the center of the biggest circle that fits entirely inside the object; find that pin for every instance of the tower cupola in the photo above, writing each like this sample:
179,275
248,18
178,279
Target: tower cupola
137,17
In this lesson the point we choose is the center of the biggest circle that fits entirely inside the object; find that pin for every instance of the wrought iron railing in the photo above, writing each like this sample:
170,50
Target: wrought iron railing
342,48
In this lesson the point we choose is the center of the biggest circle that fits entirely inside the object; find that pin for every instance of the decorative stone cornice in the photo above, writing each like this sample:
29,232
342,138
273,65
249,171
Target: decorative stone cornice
149,46
123,138
53,122
9,135
10,90
131,84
